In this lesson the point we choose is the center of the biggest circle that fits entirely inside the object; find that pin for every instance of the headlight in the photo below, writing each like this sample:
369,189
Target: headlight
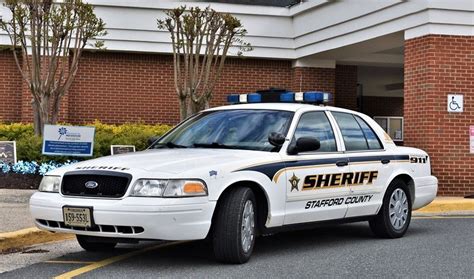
149,188
168,188
50,184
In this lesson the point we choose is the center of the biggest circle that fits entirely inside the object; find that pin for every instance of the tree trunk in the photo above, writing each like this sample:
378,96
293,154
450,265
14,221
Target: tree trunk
44,108
196,107
55,111
189,110
36,118
183,108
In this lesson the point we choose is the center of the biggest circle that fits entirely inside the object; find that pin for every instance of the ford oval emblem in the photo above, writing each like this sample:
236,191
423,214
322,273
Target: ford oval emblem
91,184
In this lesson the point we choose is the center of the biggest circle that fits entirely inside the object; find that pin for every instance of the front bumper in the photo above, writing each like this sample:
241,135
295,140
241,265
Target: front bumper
160,218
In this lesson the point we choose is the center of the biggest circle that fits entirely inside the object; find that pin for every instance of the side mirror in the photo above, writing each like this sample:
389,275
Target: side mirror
276,139
304,144
152,140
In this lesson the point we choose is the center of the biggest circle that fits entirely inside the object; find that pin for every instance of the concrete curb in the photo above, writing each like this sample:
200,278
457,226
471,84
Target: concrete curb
27,237
444,205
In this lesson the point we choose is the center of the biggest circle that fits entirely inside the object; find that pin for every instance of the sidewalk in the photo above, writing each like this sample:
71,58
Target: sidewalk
14,210
17,228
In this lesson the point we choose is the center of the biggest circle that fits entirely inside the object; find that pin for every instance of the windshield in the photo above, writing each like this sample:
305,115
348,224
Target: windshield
233,129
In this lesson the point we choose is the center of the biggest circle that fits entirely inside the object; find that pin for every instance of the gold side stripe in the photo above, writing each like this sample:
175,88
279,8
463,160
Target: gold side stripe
278,173
332,187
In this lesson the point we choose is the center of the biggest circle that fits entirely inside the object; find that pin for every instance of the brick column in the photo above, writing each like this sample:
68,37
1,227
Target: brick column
313,79
346,86
434,67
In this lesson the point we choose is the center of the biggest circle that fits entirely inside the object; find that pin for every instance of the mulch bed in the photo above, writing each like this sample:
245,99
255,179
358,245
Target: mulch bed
19,181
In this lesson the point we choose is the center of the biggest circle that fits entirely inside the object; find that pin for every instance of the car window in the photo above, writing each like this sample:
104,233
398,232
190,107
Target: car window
372,139
316,125
233,128
354,138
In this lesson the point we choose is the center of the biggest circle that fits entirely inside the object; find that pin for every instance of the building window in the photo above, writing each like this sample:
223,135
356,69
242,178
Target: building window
392,125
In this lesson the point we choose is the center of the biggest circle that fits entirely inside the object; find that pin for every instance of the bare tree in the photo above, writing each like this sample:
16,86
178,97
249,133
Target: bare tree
201,39
47,40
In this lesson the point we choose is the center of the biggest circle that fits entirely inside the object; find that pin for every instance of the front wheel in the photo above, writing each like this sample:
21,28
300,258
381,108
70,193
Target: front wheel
89,243
234,228
395,215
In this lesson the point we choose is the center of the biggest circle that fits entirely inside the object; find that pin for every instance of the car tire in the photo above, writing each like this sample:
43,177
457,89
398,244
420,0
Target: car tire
235,226
93,244
395,215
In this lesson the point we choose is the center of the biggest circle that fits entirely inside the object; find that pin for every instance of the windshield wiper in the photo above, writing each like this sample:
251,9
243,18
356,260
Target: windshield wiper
171,145
214,145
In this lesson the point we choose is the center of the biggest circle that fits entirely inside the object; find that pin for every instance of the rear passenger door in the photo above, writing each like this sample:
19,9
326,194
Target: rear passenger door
368,163
313,191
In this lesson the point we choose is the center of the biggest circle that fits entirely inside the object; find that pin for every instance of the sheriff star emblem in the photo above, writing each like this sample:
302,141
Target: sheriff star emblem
294,180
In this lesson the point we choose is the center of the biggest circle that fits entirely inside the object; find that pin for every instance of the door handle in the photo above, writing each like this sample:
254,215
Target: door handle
385,161
342,163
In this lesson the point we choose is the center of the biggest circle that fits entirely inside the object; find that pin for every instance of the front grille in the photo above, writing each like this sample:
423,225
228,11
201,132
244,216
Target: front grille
95,228
108,184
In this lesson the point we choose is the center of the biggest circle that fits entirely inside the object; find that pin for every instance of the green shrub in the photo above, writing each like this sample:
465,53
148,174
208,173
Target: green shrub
29,146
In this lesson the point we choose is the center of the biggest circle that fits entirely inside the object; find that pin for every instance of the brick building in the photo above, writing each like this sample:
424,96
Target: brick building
394,60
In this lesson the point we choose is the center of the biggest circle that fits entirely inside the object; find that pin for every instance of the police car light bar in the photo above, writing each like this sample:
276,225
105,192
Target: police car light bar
244,98
306,97
311,97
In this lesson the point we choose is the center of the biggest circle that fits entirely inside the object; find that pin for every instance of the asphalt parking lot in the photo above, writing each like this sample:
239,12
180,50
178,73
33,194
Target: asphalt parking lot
433,247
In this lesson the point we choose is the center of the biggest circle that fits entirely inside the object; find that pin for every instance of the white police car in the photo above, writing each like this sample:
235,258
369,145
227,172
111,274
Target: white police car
234,172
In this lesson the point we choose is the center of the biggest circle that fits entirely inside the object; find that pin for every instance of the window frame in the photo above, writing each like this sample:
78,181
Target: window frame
388,125
339,147
343,143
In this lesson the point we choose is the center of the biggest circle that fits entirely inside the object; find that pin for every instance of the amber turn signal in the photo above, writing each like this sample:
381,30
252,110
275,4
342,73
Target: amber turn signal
194,187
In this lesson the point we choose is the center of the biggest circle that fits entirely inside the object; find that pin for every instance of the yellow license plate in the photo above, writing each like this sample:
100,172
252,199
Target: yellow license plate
77,216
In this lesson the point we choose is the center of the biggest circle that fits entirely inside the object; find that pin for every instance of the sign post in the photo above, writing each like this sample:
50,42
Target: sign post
68,140
8,152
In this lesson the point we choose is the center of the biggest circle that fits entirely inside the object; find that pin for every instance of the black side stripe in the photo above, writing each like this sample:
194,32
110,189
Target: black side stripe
271,169
378,158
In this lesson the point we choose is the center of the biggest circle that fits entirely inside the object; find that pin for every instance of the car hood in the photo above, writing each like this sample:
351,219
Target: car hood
175,161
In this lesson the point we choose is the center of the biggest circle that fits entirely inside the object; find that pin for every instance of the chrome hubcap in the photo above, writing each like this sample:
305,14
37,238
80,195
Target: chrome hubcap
248,225
398,209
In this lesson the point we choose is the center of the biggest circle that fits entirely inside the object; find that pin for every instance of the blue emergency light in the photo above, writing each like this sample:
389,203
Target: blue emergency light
244,98
310,97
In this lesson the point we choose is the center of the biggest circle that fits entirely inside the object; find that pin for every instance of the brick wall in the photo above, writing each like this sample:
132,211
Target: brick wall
121,87
307,79
131,87
10,88
117,88
248,75
346,86
435,66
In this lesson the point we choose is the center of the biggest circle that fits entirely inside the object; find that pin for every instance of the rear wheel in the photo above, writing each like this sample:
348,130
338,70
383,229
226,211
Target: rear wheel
234,228
89,243
395,215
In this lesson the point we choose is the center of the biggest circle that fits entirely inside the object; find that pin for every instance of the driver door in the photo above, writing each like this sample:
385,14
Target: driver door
313,191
